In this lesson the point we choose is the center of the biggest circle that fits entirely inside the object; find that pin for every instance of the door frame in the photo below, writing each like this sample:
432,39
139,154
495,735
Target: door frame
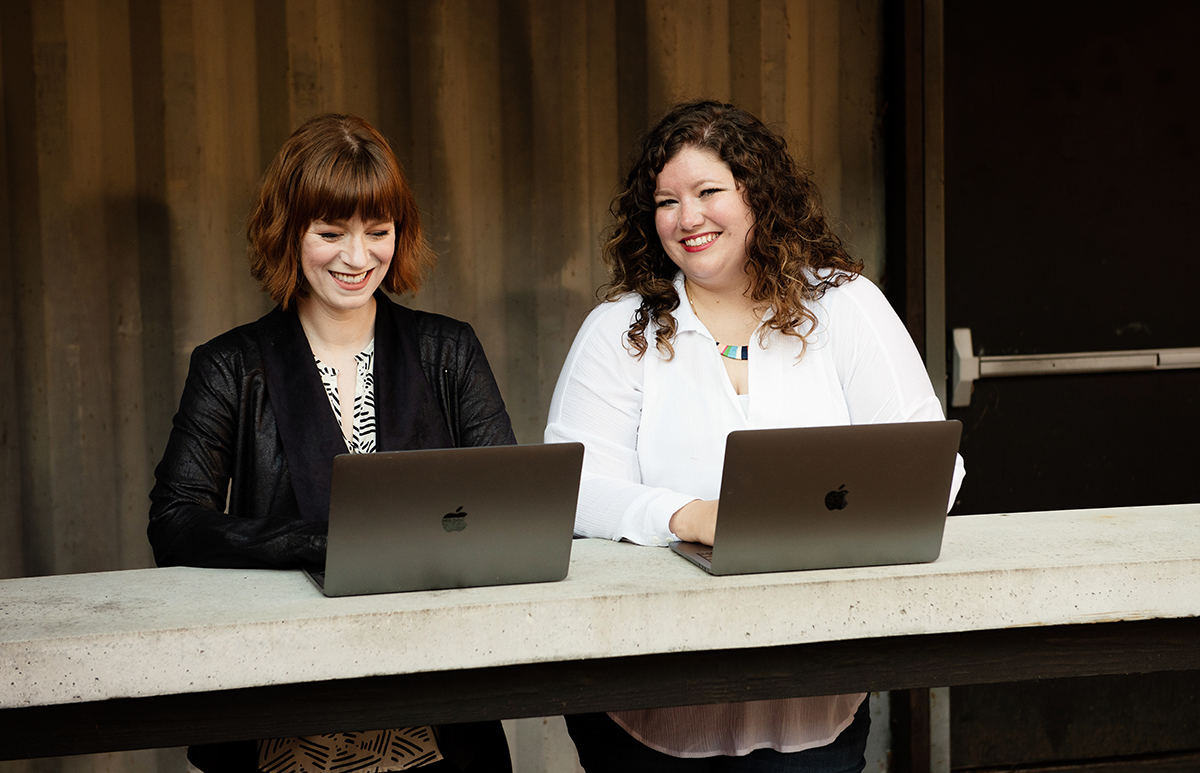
915,270
916,284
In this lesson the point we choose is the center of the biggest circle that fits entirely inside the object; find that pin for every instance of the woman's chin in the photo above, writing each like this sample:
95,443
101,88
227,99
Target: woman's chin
337,303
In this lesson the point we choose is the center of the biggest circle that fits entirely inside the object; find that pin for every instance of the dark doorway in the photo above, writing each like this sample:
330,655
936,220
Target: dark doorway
1072,196
1072,157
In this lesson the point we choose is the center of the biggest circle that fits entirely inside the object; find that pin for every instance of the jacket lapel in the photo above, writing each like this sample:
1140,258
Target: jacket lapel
310,434
407,412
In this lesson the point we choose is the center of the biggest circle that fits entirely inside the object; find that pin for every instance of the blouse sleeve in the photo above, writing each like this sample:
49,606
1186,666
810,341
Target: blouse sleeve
598,402
881,372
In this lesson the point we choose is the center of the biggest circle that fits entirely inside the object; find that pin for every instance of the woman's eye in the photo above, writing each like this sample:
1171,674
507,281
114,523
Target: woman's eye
381,234
664,203
709,191
329,235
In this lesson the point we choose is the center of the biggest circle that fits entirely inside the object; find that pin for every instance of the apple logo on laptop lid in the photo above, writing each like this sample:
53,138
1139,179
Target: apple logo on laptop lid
836,500
456,521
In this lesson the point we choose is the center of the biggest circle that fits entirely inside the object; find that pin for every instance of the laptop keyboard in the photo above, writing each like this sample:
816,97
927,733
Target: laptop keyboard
705,554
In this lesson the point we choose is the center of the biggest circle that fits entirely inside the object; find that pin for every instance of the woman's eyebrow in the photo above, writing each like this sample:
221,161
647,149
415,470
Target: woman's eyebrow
693,185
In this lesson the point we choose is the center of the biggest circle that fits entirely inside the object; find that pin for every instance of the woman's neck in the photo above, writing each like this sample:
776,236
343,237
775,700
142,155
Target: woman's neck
336,336
723,307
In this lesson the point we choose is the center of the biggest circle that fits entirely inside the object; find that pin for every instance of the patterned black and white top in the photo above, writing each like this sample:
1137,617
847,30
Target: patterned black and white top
362,436
381,750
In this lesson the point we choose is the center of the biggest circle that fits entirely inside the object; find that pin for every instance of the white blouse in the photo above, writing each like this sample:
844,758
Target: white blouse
655,429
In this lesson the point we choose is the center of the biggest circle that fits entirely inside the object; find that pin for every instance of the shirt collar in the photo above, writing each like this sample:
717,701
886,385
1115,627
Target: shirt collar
685,317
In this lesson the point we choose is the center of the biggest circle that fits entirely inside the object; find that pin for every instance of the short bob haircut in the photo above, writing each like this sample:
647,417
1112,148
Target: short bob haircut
332,168
792,254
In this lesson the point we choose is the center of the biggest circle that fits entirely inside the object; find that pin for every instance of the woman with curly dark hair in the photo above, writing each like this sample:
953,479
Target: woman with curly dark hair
731,305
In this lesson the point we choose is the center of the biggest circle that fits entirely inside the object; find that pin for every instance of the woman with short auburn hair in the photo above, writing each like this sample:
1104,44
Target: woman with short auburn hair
731,305
331,168
336,367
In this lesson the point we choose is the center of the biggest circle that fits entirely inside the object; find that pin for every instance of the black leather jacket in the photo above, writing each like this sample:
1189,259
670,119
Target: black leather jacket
254,421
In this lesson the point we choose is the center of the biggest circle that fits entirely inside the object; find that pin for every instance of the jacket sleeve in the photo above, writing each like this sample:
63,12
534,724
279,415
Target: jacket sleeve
218,427
466,389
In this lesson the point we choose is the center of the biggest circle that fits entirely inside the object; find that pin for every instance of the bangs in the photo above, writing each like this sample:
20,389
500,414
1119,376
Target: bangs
352,181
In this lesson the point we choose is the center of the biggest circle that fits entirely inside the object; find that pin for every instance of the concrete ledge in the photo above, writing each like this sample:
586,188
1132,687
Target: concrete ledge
84,638
643,681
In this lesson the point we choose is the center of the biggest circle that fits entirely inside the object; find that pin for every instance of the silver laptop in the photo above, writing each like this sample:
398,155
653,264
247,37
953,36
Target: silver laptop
831,497
450,518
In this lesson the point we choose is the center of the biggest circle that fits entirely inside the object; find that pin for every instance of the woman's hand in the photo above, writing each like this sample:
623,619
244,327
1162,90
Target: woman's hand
696,521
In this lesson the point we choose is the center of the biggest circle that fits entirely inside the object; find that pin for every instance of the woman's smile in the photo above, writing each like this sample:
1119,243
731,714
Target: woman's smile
698,243
352,280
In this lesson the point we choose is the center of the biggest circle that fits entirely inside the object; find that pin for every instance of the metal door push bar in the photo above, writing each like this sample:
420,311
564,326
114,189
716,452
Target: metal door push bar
966,367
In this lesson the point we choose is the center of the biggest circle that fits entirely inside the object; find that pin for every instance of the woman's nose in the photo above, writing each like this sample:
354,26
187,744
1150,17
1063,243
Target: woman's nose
356,252
691,215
